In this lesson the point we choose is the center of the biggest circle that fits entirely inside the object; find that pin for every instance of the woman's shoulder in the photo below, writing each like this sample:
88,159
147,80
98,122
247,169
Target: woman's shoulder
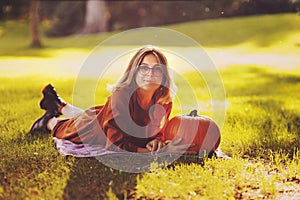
121,93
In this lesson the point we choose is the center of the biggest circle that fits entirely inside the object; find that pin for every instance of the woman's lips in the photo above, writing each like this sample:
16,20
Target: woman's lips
149,80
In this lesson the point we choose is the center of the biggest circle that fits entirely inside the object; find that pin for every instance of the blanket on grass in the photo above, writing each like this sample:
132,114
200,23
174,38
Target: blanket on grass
66,148
124,161
129,161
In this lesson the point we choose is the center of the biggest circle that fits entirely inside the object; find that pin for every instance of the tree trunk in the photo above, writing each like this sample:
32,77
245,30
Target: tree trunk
35,38
2,4
96,17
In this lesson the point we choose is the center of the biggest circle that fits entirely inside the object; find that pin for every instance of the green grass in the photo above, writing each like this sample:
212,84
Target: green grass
15,44
264,108
261,128
261,30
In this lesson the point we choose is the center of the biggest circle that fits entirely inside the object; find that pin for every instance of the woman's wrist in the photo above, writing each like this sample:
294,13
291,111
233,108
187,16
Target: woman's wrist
142,150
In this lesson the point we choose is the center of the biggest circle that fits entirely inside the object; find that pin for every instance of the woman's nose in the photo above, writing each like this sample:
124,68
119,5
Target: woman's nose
150,72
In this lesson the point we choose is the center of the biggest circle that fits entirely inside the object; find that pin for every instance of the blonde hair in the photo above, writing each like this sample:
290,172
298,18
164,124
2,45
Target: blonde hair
165,92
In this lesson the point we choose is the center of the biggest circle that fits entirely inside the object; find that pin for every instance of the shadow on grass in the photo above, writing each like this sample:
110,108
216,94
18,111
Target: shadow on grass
213,33
90,179
246,29
258,81
44,52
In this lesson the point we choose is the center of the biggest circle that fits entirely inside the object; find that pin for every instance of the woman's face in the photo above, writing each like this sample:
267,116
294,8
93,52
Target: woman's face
149,74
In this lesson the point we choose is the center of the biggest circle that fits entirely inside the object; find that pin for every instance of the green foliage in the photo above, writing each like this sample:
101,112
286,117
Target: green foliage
67,19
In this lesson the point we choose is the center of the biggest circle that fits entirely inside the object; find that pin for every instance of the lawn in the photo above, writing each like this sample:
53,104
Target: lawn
260,70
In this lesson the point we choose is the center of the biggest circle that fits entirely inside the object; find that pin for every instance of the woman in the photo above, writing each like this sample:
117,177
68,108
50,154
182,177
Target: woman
133,117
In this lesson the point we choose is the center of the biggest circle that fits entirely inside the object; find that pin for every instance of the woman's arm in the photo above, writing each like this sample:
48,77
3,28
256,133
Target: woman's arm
117,122
156,146
117,139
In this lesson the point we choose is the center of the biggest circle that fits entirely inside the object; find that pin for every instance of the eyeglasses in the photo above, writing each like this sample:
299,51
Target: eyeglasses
156,69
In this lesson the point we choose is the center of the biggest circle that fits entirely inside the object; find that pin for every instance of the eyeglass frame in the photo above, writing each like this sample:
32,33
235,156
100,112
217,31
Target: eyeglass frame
153,66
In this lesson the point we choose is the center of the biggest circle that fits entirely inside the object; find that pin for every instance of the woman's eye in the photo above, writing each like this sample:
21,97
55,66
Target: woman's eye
144,67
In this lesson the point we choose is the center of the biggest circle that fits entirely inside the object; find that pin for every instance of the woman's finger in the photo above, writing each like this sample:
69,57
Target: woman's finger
160,146
149,146
154,145
168,141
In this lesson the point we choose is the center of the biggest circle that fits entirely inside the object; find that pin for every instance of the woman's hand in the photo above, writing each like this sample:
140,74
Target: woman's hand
174,146
155,145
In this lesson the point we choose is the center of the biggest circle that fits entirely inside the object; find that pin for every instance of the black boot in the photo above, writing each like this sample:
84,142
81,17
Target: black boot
51,100
40,125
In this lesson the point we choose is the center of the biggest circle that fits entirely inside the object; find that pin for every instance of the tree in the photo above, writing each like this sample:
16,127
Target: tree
67,17
96,17
35,37
2,4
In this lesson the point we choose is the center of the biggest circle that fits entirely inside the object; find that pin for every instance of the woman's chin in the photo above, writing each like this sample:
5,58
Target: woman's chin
150,87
